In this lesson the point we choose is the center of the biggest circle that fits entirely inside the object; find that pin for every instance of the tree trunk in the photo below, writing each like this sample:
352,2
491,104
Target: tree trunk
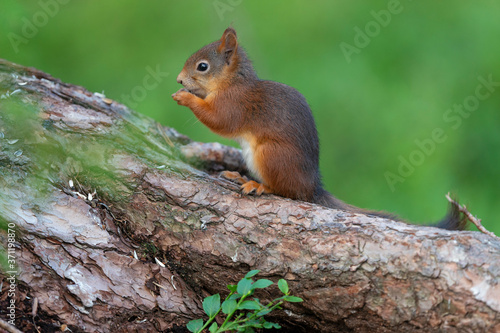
86,254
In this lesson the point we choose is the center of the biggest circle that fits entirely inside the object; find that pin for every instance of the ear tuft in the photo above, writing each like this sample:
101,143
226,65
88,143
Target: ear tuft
228,44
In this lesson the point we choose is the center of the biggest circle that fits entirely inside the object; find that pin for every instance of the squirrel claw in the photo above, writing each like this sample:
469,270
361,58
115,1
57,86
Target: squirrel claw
254,187
247,186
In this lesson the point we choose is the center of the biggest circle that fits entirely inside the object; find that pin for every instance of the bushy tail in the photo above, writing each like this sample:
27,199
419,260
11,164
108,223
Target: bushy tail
454,220
324,198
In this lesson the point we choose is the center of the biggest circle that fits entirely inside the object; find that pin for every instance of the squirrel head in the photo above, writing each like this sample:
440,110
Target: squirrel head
214,67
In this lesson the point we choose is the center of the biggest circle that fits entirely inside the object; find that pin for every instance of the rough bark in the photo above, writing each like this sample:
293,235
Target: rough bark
157,194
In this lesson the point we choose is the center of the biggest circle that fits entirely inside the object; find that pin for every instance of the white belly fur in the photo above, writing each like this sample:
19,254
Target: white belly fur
247,152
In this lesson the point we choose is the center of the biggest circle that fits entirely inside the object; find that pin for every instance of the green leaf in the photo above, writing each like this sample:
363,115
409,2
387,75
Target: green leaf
244,286
283,285
249,305
213,328
254,323
262,283
263,312
252,273
211,305
268,325
228,306
231,287
234,296
293,299
195,325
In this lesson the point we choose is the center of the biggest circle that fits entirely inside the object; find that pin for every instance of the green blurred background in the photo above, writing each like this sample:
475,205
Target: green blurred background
371,105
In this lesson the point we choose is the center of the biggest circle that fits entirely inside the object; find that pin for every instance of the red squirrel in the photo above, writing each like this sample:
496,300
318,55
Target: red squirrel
271,121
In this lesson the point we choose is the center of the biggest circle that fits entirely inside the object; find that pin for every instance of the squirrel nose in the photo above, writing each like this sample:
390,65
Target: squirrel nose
179,79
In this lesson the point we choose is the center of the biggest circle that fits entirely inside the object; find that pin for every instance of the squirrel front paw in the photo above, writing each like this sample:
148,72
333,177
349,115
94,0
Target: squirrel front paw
182,96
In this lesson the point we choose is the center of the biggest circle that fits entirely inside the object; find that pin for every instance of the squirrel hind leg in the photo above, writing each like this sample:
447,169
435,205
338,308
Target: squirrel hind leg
234,176
247,186
253,187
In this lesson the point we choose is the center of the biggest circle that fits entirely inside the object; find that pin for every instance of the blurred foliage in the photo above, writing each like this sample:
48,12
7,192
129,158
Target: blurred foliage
416,61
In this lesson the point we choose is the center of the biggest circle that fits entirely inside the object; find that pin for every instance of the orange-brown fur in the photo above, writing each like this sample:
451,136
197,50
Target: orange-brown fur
272,122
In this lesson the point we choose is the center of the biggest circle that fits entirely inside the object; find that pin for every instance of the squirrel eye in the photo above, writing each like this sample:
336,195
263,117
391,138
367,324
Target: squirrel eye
202,66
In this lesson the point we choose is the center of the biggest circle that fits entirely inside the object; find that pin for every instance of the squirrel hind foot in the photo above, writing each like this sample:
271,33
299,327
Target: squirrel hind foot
234,176
247,186
253,187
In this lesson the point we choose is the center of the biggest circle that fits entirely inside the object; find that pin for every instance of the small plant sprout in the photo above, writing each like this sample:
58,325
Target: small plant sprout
241,314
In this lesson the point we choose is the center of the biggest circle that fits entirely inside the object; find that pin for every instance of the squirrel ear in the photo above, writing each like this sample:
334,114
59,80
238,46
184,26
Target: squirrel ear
228,43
